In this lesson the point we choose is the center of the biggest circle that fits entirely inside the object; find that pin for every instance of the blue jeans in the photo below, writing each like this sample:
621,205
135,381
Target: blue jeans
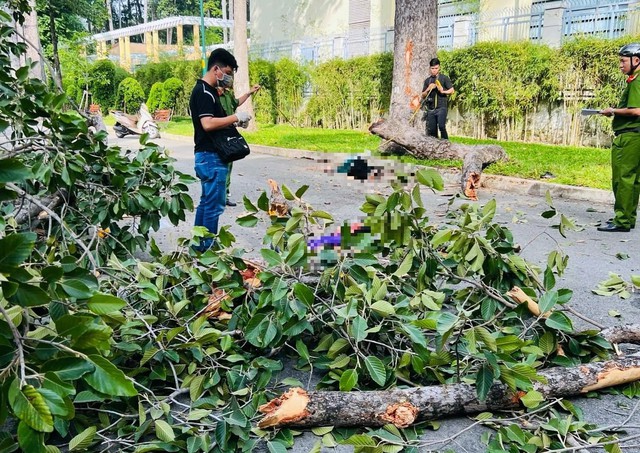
212,173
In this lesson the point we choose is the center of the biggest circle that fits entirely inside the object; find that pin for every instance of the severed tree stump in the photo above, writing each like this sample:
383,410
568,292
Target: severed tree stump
474,157
403,407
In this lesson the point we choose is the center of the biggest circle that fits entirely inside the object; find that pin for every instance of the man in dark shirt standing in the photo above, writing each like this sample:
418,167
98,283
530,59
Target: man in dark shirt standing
209,119
436,89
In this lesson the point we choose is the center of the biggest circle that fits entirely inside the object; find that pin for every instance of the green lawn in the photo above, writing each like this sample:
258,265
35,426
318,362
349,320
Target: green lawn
576,166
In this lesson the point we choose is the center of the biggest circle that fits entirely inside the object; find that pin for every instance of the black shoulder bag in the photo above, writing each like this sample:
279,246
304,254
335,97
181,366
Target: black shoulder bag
230,145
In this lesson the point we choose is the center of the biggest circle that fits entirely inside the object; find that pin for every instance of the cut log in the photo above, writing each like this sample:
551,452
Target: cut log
403,407
474,157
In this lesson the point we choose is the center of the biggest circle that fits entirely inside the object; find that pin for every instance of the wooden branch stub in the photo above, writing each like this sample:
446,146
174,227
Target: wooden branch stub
521,297
286,409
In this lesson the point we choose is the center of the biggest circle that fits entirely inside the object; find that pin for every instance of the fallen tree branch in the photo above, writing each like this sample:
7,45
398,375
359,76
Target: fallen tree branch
474,158
404,407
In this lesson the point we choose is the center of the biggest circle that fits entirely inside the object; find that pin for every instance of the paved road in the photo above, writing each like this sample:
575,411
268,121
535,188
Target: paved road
592,254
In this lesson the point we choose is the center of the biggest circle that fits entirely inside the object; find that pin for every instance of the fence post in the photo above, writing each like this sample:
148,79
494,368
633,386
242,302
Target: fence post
553,22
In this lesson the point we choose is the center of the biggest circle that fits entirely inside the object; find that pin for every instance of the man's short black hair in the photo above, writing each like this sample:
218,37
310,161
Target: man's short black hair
222,58
434,62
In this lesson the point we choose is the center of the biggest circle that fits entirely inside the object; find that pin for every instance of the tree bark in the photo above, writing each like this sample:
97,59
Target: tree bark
241,51
474,158
30,32
414,44
298,408
402,408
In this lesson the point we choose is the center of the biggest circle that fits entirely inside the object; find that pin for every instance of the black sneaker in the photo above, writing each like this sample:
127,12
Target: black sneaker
231,203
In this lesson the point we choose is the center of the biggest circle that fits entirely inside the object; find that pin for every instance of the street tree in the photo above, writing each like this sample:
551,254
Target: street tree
415,43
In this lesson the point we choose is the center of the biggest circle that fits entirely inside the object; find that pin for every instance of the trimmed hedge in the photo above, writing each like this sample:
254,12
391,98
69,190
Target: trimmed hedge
130,95
171,89
155,95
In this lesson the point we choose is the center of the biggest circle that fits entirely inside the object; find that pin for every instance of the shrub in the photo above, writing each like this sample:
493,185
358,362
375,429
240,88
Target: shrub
130,95
291,79
155,95
150,73
171,89
350,93
102,84
188,72
263,73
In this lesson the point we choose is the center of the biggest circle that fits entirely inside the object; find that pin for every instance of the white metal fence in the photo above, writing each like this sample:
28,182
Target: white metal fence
459,27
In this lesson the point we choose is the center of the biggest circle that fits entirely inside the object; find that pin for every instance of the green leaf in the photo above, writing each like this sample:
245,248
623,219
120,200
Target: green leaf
445,322
12,170
405,266
348,380
288,195
359,328
109,379
415,334
29,406
276,447
383,308
102,304
559,321
548,300
547,342
68,368
484,381
532,399
272,258
30,441
16,248
304,294
431,178
360,440
164,431
376,369
82,440
247,221
76,288
30,296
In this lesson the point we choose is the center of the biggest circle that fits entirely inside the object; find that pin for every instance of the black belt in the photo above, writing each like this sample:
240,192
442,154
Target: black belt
624,131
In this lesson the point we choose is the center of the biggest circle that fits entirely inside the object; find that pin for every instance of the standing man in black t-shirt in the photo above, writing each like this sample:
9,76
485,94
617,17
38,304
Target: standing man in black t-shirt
436,89
210,119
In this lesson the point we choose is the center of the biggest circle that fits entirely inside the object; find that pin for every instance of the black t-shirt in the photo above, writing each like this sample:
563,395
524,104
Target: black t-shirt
436,99
204,101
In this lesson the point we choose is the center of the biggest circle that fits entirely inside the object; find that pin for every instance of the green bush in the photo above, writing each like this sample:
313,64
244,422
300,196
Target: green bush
102,84
130,95
171,89
188,72
263,73
155,95
150,73
291,79
350,93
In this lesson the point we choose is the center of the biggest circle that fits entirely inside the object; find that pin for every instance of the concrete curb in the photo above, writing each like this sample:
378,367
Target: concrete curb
494,182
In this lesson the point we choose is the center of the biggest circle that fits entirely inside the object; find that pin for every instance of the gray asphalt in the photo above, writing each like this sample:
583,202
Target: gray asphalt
592,254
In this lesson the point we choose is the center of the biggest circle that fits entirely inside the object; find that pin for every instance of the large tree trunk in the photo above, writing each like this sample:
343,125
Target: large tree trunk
298,408
474,158
414,44
34,49
241,51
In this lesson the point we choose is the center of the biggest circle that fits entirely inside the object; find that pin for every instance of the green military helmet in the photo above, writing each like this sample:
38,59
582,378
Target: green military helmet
630,50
